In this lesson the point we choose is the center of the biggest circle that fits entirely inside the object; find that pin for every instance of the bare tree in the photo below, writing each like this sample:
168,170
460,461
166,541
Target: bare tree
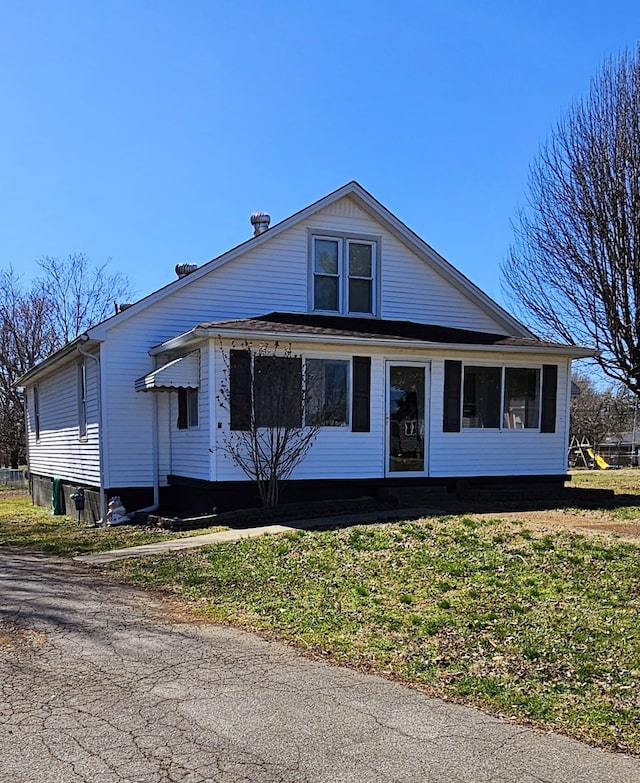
79,294
597,415
574,267
272,428
69,297
26,337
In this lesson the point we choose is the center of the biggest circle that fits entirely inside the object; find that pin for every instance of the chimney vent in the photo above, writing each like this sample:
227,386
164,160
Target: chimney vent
260,222
182,270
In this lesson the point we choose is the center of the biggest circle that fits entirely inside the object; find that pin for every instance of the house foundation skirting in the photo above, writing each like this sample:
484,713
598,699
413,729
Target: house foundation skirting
195,496
133,498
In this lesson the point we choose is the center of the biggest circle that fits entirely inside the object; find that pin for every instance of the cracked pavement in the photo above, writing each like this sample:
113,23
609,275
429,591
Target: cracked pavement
103,682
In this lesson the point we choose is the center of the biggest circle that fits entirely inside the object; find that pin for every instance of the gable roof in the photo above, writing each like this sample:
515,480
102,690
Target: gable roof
377,212
373,331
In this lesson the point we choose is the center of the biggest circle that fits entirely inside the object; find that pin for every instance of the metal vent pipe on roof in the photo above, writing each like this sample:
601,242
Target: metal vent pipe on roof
182,270
260,222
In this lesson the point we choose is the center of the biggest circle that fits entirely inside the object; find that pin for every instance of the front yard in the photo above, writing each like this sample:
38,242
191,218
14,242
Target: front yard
536,622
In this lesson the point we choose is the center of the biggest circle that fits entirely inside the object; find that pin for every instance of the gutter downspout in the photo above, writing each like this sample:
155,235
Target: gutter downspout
103,505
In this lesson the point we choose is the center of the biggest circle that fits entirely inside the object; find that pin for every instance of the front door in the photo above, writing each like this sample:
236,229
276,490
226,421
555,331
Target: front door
406,420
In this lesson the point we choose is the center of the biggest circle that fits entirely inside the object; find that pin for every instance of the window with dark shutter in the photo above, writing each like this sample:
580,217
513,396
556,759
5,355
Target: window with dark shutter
361,413
451,402
549,395
240,389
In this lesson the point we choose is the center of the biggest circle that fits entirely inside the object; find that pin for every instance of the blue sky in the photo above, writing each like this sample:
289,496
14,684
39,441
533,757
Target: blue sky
147,132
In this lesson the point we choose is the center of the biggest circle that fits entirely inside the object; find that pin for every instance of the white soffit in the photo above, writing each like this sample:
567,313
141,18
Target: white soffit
181,372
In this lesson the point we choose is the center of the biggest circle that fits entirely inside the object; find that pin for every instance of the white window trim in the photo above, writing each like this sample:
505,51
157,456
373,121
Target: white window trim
344,240
502,367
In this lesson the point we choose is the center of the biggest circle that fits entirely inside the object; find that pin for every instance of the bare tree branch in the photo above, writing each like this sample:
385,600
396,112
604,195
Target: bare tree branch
574,267
278,437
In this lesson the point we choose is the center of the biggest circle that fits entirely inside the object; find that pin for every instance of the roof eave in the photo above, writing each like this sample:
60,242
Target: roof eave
200,333
55,359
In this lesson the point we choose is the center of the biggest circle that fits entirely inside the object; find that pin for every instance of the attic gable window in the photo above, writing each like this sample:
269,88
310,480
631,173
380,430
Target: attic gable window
344,274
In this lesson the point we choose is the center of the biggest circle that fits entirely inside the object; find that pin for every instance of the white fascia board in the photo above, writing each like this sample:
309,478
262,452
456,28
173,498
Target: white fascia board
199,333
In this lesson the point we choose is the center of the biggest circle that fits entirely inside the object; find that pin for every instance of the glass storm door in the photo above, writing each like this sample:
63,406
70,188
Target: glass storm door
406,426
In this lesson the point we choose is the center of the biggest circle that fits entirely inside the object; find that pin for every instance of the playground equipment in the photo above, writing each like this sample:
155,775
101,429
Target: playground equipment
582,454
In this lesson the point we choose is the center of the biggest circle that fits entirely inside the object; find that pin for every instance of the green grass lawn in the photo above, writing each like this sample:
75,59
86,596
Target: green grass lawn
625,481
25,525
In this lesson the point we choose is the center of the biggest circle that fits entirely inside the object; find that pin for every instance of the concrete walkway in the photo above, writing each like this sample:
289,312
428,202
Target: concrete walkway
236,534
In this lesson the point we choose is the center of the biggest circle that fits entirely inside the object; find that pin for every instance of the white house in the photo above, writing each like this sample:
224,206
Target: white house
427,378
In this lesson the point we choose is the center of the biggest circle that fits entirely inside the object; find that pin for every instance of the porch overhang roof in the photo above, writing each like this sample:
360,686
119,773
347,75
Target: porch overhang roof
179,373
370,331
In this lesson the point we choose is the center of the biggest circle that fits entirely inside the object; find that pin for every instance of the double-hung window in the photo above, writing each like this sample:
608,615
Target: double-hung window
344,273
499,398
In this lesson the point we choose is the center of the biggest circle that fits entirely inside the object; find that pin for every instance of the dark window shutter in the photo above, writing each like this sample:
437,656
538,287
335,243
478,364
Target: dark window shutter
361,406
452,386
182,409
240,389
278,391
549,395
293,412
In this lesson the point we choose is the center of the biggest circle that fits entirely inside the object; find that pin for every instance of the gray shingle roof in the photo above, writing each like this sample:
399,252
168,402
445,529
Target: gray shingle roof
348,326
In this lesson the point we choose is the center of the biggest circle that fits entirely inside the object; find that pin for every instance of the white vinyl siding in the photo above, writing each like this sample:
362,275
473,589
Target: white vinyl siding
59,451
82,400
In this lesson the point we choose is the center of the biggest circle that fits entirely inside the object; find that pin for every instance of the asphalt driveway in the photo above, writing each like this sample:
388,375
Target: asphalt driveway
105,683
